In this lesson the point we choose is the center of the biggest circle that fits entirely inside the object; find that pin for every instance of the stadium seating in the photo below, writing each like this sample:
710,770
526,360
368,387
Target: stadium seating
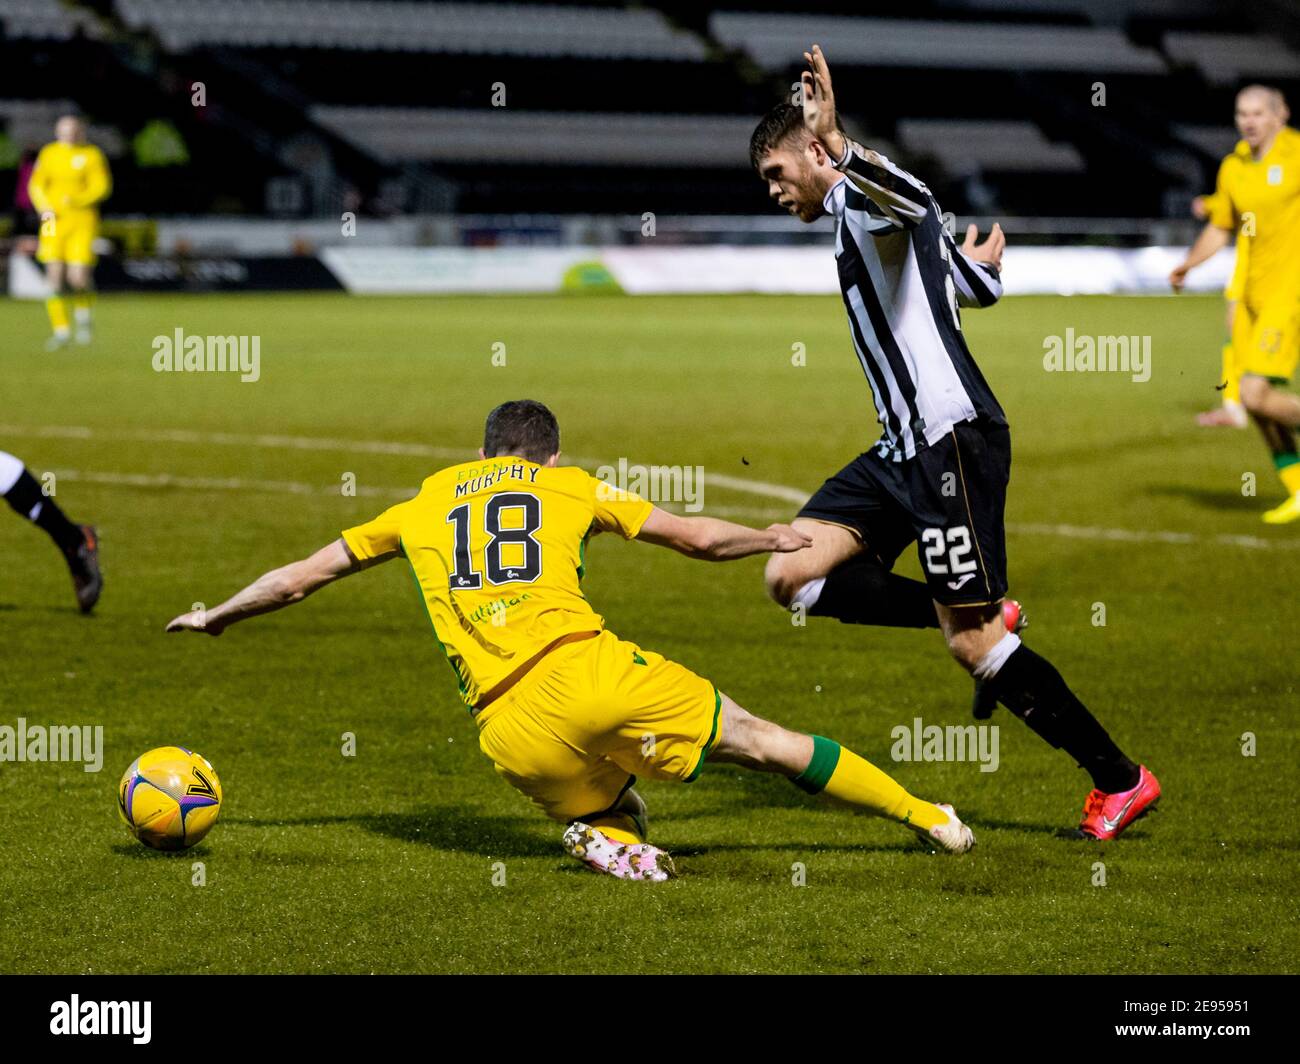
475,29
602,105
504,136
46,20
1228,59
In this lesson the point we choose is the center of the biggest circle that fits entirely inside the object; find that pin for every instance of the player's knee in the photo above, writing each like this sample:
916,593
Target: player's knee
1254,390
783,582
967,647
746,739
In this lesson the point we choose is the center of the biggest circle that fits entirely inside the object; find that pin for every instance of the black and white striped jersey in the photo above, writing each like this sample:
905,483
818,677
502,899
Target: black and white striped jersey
903,278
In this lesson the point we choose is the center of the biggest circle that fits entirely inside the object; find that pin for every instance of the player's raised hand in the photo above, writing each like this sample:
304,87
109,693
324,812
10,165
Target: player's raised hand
990,251
194,621
788,539
819,103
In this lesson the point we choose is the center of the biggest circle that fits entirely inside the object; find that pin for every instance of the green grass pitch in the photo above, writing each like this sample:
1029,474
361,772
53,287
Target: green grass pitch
385,862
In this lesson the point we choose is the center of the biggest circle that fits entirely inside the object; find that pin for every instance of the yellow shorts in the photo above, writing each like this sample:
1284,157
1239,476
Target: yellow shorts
68,239
1266,336
575,731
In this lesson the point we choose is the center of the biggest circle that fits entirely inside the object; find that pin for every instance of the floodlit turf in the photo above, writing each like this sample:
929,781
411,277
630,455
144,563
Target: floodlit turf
385,862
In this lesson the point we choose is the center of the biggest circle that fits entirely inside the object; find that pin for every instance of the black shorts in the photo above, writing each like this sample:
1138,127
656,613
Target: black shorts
949,500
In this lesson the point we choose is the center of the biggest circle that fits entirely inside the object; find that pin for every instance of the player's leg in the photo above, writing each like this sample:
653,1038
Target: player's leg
1230,413
78,543
1032,688
957,491
1281,443
543,738
56,305
1263,399
818,765
80,275
857,535
1271,359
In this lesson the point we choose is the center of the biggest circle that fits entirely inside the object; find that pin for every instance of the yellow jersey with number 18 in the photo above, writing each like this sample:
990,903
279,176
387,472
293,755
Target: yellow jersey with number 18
497,550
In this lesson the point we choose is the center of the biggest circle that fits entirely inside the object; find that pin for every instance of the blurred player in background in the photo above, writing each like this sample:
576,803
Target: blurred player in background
569,713
1258,197
1229,413
70,180
79,544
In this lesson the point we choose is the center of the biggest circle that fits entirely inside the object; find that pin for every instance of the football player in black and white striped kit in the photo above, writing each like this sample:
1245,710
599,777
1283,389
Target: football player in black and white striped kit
938,475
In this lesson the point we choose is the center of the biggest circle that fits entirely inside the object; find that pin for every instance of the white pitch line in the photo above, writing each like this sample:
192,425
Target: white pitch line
166,480
760,488
314,443
1127,535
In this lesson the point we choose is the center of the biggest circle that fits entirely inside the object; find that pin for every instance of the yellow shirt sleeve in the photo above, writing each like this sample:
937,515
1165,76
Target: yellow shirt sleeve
38,184
617,510
383,535
1223,215
98,181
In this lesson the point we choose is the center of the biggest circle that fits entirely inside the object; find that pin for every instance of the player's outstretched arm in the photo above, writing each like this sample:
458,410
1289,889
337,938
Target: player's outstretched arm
279,588
1211,241
896,192
713,540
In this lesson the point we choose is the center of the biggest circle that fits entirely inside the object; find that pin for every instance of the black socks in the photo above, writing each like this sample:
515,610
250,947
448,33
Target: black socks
1034,691
862,591
26,496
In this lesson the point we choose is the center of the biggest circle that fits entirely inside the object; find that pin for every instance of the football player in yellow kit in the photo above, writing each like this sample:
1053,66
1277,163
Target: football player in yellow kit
1229,413
569,713
69,181
1258,197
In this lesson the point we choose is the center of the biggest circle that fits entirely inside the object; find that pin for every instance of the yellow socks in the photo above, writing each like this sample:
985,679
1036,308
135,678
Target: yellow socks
617,826
81,304
1288,468
844,775
1231,376
57,308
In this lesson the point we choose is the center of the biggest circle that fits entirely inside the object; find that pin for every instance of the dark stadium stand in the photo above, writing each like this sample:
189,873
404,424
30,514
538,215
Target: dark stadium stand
614,108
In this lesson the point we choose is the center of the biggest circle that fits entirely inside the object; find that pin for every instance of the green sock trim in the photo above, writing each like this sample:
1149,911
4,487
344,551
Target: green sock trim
713,736
1281,461
826,755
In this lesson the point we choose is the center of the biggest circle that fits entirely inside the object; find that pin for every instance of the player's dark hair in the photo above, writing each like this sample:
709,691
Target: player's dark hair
784,121
521,427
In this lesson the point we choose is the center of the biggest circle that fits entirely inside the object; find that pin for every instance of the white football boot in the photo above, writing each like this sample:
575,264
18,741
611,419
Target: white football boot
622,860
952,837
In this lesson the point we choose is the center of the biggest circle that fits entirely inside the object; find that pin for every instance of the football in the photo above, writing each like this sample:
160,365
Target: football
169,798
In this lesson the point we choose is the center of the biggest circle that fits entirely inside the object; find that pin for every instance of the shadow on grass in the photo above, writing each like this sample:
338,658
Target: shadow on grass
442,827
138,851
28,607
1208,498
456,829
1056,830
